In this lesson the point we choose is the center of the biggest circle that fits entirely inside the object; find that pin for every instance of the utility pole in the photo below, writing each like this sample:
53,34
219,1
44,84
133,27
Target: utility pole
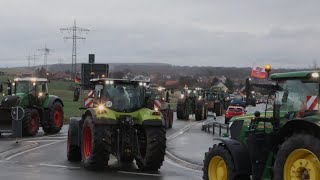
74,29
46,52
29,60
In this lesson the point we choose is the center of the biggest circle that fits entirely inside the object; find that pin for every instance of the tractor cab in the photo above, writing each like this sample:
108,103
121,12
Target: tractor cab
158,98
192,93
121,95
34,89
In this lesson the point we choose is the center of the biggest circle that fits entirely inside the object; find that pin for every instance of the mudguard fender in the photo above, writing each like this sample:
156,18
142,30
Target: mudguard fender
74,132
239,152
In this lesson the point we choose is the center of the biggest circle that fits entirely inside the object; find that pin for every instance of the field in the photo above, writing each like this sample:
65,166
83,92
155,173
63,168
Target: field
64,91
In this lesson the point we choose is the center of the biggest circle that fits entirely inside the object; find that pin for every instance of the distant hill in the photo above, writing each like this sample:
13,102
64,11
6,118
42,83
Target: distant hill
149,69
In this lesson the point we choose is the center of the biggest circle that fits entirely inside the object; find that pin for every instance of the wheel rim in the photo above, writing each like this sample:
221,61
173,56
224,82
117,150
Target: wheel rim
57,117
302,164
217,169
87,142
34,122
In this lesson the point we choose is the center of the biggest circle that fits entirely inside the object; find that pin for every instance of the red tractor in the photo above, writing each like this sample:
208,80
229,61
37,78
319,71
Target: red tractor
158,100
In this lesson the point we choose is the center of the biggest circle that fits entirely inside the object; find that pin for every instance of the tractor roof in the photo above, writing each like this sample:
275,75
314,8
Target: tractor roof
293,75
31,79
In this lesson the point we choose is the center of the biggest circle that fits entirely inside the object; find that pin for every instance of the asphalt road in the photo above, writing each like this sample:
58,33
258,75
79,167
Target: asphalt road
44,157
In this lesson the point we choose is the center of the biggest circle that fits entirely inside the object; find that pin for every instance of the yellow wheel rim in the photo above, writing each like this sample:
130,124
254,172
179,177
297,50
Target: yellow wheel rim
217,169
302,164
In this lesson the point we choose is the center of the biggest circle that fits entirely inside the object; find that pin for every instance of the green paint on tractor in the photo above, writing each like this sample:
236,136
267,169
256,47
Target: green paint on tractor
138,116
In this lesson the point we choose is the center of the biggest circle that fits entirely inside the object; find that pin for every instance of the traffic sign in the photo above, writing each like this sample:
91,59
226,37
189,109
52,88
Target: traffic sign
17,113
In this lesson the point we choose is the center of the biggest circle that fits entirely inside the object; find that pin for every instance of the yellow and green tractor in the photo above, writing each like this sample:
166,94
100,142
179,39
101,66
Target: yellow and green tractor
119,123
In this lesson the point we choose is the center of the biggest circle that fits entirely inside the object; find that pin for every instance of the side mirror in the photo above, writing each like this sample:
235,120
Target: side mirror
172,91
9,89
76,94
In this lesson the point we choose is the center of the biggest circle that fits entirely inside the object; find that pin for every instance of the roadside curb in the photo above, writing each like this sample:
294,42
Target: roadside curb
183,162
7,153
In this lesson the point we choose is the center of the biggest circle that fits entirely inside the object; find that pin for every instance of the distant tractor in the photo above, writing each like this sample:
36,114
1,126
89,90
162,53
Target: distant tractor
250,94
281,143
40,108
119,124
192,101
215,101
159,100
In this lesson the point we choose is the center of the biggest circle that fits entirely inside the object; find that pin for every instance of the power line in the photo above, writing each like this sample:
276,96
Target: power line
74,29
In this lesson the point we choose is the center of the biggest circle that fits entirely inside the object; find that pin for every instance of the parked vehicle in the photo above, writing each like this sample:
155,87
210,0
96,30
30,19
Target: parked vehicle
233,111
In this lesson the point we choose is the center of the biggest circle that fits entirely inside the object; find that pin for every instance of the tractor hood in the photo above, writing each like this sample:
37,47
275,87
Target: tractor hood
11,101
138,116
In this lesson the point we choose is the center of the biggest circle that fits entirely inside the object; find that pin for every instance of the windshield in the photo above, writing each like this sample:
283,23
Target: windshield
294,95
24,87
123,97
155,94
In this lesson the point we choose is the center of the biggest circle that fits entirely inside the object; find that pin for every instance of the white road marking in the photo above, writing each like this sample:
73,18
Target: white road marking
12,150
59,166
137,173
181,131
29,150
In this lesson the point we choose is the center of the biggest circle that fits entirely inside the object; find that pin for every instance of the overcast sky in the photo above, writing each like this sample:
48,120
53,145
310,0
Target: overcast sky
179,32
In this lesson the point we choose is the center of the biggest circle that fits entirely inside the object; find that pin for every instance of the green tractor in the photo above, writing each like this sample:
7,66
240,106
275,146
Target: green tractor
119,124
215,99
192,101
40,108
281,143
159,100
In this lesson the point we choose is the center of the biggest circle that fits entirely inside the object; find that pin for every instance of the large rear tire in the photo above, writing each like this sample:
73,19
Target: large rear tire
30,122
217,109
56,117
200,112
298,158
95,145
152,148
180,110
219,165
170,118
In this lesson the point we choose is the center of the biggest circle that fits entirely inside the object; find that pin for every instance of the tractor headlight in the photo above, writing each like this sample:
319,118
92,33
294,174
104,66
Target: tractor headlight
156,109
101,108
315,75
182,96
40,94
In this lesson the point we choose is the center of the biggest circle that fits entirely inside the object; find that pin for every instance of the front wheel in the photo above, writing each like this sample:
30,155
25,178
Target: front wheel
298,158
30,122
95,145
152,142
219,165
55,119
